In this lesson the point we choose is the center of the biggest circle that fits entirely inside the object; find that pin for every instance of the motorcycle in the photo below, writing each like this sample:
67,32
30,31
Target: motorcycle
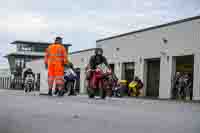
119,88
117,92
70,79
132,88
135,89
98,81
29,83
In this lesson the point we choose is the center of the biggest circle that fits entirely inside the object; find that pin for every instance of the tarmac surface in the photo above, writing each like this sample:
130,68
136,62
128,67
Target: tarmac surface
21,113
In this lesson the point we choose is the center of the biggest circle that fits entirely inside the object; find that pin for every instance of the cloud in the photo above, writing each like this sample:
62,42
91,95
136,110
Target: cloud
148,4
26,21
82,22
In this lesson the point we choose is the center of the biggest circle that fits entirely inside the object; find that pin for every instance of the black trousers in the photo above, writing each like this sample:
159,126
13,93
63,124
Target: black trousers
69,86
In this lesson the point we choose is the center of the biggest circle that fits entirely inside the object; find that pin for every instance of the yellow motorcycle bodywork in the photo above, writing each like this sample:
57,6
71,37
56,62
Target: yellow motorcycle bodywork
132,88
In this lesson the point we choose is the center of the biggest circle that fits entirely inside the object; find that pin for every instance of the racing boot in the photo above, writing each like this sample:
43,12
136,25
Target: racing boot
61,93
50,93
56,92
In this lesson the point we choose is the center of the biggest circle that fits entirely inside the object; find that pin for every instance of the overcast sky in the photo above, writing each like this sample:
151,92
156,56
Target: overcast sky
82,22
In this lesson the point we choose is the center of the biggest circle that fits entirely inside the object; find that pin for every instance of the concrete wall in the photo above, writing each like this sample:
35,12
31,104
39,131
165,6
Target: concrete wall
183,39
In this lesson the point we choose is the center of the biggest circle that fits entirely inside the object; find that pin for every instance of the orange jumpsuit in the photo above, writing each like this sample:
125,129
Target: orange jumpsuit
56,57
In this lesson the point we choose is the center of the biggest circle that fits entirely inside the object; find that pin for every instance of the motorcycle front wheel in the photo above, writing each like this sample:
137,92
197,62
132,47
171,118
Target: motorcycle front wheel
91,93
119,93
102,93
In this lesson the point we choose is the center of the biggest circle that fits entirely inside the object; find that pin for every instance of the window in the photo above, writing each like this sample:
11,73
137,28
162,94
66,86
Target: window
27,59
128,71
26,49
19,47
39,49
17,62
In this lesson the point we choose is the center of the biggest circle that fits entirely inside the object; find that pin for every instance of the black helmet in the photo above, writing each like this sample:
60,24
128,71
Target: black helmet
98,51
58,38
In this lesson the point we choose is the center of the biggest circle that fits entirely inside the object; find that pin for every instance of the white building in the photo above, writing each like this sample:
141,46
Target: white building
156,53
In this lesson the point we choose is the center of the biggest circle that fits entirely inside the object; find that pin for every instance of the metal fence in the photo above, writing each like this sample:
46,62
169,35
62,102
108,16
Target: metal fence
17,83
5,82
8,83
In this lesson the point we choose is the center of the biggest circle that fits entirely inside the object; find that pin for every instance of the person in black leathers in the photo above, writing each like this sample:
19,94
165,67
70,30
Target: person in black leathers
97,59
139,85
176,85
27,72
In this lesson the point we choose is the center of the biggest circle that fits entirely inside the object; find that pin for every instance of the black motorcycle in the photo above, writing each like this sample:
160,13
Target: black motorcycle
70,78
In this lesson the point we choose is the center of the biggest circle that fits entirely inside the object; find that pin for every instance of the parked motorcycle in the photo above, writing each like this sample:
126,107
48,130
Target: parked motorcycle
117,92
98,81
119,88
70,78
132,88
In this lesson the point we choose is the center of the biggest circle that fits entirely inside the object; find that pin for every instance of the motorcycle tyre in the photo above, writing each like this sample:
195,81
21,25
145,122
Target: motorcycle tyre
119,93
102,93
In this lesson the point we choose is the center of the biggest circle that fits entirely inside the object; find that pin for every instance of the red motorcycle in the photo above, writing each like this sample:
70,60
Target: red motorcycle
98,81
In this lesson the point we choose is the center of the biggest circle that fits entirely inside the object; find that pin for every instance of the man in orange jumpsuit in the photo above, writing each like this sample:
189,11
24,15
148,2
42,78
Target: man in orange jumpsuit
56,57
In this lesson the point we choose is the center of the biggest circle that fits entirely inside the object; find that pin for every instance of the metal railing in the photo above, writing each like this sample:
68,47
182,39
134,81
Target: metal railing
16,83
5,82
8,83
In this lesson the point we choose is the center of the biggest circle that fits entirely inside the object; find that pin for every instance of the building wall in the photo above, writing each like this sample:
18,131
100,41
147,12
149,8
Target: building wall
81,59
182,39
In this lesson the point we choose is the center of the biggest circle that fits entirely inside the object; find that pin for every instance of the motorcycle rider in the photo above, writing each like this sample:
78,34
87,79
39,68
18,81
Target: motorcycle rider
27,72
96,60
176,85
139,85
135,86
28,77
